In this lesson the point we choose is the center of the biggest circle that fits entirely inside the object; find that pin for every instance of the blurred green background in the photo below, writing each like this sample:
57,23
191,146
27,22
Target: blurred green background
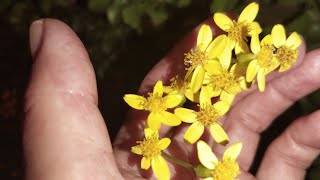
122,38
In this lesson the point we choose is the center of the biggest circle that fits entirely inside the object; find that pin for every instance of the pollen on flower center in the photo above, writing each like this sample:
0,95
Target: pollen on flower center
149,147
194,58
207,115
226,170
224,80
286,56
154,103
238,32
265,55
178,84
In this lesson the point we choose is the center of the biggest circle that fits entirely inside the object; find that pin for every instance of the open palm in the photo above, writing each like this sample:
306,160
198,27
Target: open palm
65,136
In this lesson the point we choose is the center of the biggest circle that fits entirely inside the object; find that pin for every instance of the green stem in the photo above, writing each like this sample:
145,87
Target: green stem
177,161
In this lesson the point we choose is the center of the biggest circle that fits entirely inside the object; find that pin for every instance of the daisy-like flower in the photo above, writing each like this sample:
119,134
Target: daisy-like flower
238,31
263,62
156,104
223,82
150,148
197,58
286,49
227,168
207,116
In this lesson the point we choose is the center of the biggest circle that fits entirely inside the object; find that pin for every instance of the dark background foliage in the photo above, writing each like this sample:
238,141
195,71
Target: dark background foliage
120,38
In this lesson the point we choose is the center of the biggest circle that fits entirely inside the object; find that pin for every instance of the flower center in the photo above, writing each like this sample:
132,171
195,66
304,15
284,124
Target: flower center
154,103
265,55
207,115
149,146
286,56
224,81
238,32
226,170
195,58
178,84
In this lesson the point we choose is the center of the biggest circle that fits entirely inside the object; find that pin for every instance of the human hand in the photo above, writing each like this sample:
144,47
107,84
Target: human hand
65,136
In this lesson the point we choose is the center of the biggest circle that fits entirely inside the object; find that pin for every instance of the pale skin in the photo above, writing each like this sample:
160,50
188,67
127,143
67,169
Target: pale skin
65,136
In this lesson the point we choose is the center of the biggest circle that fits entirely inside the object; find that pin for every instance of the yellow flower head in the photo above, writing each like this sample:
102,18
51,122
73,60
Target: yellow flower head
227,168
207,116
156,104
197,59
150,148
222,81
263,60
238,31
286,49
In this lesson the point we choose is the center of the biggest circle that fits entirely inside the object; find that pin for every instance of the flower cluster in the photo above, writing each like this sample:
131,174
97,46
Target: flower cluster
219,68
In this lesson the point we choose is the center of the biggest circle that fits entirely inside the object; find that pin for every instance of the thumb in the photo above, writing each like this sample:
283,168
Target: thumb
64,136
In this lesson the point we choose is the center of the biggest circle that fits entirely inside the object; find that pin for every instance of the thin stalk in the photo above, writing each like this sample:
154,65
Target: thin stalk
177,161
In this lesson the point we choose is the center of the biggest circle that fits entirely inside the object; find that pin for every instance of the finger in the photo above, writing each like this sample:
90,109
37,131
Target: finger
170,66
64,136
255,112
293,151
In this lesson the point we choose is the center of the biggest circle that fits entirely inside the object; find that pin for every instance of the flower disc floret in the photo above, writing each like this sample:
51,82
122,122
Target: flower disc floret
226,170
195,58
224,81
154,103
265,56
207,115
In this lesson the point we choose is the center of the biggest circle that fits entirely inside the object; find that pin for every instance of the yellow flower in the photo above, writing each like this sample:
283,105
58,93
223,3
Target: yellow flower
224,82
181,87
197,58
227,168
157,104
286,49
238,31
150,148
206,116
263,60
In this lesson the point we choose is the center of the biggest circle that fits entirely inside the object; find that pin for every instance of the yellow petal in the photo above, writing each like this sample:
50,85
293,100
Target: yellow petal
148,132
136,150
217,46
164,143
186,115
249,13
293,41
278,34
213,91
135,101
153,121
167,89
252,70
231,43
284,67
254,29
205,99
145,163
255,44
233,151
213,67
158,89
160,168
222,107
241,47
218,134
223,21
227,97
172,100
267,40
225,57
169,119
261,77
194,97
197,79
209,178
194,132
239,69
204,37
205,155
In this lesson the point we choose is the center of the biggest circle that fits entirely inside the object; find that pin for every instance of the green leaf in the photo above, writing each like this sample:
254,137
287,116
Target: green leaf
222,5
132,16
99,6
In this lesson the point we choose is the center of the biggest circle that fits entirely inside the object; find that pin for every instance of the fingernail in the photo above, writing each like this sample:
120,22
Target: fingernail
36,30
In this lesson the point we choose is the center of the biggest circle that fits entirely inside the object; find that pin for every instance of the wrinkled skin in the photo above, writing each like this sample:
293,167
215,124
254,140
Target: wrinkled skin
65,136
